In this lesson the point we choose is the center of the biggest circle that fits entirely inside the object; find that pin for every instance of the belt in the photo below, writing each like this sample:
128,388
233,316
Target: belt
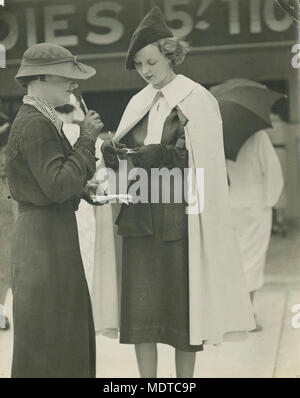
70,205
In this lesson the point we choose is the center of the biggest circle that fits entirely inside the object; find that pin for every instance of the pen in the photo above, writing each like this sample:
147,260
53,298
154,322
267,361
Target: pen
112,140
85,108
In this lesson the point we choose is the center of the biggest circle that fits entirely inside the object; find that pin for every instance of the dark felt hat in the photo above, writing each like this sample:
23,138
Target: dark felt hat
152,28
52,59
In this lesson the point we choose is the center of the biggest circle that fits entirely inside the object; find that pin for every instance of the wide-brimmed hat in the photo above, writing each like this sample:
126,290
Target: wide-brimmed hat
152,28
52,59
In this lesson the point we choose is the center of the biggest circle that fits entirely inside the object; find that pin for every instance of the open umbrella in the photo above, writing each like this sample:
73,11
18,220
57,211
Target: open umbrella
245,108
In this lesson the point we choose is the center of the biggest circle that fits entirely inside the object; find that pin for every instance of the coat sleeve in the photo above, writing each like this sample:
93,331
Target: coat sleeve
60,177
271,169
164,154
177,155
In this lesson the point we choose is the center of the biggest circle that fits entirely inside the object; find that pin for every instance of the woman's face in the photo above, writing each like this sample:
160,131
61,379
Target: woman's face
153,66
58,89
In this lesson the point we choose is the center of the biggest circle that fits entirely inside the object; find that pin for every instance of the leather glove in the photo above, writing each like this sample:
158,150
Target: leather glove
148,156
110,153
92,189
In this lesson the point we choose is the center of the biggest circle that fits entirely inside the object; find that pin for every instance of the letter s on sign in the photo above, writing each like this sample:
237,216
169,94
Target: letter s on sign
115,27
296,318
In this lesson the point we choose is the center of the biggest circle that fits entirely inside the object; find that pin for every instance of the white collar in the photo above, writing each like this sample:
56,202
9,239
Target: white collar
177,90
174,92
46,109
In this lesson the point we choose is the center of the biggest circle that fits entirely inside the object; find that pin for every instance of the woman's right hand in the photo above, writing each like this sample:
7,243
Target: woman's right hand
91,125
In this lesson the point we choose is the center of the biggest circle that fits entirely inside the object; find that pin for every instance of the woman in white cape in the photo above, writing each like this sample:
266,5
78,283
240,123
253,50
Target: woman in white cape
182,282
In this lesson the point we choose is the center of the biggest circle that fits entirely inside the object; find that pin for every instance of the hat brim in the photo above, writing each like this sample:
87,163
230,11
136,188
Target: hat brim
70,70
152,28
135,48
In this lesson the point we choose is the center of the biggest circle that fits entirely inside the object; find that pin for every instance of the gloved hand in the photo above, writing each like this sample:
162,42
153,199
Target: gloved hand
91,126
148,156
110,153
92,189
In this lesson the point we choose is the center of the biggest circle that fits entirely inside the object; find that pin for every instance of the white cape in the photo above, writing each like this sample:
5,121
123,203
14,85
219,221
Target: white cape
220,307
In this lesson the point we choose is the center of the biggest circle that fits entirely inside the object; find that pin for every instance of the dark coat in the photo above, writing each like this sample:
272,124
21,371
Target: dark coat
53,322
135,220
155,247
6,228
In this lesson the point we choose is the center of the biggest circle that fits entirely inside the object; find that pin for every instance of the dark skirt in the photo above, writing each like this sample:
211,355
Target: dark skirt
6,229
53,323
155,289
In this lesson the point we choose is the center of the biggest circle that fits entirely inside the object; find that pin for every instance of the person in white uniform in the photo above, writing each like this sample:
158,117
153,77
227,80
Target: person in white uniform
256,182
71,115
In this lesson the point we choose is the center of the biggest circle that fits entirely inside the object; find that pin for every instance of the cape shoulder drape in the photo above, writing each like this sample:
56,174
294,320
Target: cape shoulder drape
220,307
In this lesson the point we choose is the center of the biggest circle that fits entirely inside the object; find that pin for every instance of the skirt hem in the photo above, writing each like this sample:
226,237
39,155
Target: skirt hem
158,335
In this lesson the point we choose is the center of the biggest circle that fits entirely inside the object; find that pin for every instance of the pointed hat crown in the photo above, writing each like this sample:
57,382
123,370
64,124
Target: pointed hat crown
152,28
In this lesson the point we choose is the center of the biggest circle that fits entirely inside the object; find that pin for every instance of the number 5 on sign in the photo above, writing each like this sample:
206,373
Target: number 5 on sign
173,14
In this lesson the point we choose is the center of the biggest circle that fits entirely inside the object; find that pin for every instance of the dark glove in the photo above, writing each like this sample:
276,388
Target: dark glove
110,153
148,156
92,189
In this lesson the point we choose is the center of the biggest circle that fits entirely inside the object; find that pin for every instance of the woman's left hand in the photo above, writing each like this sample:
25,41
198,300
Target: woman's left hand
148,156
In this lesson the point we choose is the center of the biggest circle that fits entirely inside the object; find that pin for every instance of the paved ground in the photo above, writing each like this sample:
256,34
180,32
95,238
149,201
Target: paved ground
274,352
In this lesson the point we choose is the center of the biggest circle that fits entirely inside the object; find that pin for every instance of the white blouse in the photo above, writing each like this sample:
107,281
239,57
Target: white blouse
161,110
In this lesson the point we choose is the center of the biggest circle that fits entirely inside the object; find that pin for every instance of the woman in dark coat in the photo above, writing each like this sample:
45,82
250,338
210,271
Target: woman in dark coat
53,323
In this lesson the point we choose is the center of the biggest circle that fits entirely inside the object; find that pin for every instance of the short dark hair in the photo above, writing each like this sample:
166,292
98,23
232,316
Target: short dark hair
25,80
